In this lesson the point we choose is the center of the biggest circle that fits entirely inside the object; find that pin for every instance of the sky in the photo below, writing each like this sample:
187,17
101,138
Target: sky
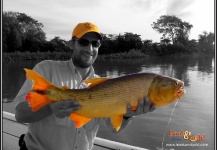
59,17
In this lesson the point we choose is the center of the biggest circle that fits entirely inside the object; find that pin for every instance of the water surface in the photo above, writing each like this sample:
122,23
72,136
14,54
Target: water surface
193,113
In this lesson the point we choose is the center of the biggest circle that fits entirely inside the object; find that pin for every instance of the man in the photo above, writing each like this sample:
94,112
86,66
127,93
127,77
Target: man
50,128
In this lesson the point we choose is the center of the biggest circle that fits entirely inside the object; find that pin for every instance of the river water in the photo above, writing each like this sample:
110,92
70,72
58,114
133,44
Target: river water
193,113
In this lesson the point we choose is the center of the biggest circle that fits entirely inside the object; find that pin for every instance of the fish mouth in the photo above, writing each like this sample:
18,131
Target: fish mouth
180,92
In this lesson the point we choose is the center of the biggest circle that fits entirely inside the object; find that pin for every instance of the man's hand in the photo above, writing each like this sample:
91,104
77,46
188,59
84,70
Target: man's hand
143,107
63,109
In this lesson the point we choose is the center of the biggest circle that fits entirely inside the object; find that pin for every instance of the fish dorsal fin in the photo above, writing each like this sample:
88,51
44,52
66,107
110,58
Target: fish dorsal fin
95,81
79,120
116,121
65,88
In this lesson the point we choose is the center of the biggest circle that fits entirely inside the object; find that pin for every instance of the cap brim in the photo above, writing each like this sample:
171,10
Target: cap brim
83,33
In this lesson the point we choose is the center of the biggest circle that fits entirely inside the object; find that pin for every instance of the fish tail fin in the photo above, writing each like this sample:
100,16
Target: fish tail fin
37,97
37,101
40,83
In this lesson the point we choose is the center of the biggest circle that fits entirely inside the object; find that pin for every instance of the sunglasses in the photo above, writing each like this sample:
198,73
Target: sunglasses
84,42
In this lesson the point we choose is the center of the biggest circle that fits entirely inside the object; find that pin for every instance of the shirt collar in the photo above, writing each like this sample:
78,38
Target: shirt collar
91,72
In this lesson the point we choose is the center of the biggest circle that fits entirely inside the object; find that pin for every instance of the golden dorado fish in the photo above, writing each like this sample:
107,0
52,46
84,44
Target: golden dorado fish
106,97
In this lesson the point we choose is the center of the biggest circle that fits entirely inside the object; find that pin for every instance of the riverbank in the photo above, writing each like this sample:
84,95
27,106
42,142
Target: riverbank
67,55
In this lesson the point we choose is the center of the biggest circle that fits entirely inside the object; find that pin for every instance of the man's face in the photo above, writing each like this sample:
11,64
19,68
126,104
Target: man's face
84,52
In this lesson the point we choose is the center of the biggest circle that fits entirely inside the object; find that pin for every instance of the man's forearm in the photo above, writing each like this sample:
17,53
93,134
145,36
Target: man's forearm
25,115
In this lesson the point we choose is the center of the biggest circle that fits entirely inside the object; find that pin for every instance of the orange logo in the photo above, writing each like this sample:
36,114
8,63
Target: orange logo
187,135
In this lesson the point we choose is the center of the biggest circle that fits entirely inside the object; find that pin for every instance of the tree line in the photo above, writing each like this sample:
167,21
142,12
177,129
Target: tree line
21,32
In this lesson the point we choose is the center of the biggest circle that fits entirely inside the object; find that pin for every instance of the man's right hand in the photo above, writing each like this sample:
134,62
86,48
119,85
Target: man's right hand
62,109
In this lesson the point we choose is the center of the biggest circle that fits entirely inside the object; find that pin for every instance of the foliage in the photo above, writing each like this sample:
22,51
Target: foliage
23,38
65,55
206,42
21,32
59,45
120,43
35,56
172,28
131,54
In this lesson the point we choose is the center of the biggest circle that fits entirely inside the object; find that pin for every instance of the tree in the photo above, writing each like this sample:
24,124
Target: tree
113,43
11,34
30,28
147,46
21,32
109,44
59,45
128,41
165,41
206,42
172,28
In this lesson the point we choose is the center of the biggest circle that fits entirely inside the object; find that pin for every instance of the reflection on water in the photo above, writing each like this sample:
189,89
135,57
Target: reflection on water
194,112
178,67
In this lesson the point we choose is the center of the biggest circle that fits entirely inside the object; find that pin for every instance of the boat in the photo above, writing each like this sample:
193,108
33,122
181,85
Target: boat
12,130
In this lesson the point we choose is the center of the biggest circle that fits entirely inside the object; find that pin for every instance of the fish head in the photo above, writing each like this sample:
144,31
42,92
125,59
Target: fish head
165,90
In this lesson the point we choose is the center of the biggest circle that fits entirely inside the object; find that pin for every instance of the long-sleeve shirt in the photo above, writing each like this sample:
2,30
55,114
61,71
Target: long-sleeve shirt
53,133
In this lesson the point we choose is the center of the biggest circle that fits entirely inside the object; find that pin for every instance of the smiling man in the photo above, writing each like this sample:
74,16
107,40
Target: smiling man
84,53
50,128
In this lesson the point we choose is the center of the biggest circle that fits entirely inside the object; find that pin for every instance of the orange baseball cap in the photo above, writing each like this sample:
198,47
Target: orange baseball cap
83,28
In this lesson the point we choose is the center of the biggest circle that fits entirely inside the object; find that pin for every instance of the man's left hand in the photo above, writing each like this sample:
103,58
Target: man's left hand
143,107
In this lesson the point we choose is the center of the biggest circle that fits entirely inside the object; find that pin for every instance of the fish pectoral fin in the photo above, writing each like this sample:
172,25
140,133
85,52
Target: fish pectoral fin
79,120
65,88
95,81
116,121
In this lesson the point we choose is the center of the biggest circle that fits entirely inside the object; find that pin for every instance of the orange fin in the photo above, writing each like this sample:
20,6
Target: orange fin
65,88
116,121
95,81
37,97
36,101
134,108
79,120
40,83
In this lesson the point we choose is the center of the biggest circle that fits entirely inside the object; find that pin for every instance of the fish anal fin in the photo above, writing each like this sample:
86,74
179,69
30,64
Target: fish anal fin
79,120
95,81
37,101
116,121
65,88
